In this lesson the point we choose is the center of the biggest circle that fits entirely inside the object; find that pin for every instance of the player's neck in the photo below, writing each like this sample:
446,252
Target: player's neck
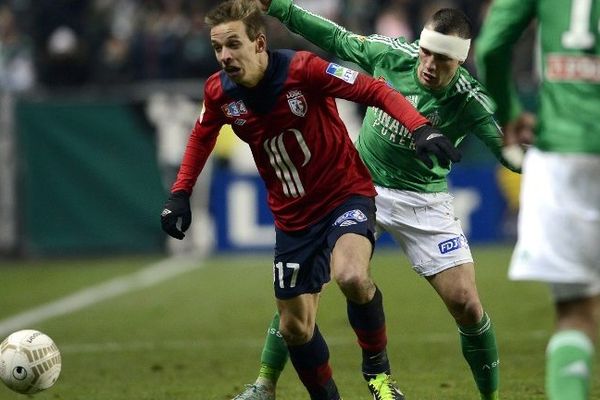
258,72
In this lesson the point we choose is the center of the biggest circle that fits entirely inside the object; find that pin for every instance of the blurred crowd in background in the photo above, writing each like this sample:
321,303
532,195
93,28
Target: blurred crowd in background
67,43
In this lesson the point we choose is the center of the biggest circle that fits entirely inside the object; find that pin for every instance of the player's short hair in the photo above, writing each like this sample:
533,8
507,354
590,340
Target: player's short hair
246,11
451,21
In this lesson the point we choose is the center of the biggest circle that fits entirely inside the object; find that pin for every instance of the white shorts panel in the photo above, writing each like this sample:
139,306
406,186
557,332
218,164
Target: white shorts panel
424,226
559,219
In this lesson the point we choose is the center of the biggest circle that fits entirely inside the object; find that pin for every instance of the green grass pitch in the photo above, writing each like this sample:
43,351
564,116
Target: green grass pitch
199,335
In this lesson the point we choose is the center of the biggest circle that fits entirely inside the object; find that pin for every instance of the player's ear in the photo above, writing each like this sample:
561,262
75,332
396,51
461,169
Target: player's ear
261,43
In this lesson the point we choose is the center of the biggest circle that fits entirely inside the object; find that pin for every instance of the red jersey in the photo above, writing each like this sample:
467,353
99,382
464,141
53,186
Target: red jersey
299,143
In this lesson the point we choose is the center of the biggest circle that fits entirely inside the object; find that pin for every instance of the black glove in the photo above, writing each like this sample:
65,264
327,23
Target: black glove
178,206
430,141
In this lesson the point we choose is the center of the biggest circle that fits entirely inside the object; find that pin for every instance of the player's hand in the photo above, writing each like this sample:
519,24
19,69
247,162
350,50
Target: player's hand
520,131
178,206
518,136
430,141
264,4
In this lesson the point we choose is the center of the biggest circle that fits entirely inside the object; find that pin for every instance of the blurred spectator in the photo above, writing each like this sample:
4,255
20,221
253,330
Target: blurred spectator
329,9
16,55
113,24
197,57
156,48
61,42
394,22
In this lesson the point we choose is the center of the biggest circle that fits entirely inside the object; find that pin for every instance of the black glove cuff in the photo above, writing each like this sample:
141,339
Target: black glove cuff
180,194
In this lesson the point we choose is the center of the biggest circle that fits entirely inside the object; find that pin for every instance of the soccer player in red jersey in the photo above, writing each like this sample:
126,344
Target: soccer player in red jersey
281,103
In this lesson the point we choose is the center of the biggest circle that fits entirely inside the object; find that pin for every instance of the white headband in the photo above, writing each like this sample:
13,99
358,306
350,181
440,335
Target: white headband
451,46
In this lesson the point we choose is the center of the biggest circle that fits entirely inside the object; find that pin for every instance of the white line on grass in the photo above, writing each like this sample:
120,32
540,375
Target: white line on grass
148,276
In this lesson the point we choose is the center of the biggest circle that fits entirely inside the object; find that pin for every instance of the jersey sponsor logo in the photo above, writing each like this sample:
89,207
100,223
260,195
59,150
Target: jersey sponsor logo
297,102
390,129
562,67
234,109
352,217
453,244
346,74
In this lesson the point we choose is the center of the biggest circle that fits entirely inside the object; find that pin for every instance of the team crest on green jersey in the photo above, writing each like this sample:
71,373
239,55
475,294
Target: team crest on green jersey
434,118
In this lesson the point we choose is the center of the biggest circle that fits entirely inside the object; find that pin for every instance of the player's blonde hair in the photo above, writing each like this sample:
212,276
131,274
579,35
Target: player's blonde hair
246,11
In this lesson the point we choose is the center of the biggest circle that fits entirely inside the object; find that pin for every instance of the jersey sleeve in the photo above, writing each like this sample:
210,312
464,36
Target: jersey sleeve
199,146
338,81
329,36
486,128
504,24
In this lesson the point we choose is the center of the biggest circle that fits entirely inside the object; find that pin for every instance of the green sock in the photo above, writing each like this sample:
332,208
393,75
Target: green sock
568,365
479,348
274,354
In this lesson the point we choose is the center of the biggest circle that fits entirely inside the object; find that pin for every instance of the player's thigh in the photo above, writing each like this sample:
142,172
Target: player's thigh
455,284
301,262
426,228
351,255
351,236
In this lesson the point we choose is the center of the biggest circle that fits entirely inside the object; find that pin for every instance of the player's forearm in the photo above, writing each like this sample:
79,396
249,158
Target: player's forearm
396,105
491,135
320,31
198,149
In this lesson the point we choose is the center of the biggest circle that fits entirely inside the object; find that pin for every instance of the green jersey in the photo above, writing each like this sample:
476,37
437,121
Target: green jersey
385,145
569,39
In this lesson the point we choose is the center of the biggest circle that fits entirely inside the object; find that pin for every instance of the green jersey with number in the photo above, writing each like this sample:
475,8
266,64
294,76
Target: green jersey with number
386,147
569,38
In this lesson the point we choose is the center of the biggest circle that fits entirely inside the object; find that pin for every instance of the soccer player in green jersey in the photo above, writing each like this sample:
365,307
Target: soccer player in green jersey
559,220
413,203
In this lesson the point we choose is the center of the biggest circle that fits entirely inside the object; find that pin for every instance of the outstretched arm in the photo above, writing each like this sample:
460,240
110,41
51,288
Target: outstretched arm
176,215
328,35
337,81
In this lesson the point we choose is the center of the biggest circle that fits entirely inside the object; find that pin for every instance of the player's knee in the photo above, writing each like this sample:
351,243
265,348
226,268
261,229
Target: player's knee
352,278
296,332
465,307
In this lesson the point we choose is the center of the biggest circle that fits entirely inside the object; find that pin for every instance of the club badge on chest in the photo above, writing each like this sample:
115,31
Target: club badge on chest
297,102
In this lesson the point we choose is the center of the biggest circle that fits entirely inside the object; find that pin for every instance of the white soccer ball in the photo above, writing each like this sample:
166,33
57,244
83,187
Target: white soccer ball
29,361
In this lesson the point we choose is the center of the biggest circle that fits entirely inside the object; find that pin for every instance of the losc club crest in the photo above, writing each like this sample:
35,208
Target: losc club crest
297,102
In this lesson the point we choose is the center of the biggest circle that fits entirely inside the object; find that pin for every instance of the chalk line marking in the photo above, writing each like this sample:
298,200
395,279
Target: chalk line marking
146,277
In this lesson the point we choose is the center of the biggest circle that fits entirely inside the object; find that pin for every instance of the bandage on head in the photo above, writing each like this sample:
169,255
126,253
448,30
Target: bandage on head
448,45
